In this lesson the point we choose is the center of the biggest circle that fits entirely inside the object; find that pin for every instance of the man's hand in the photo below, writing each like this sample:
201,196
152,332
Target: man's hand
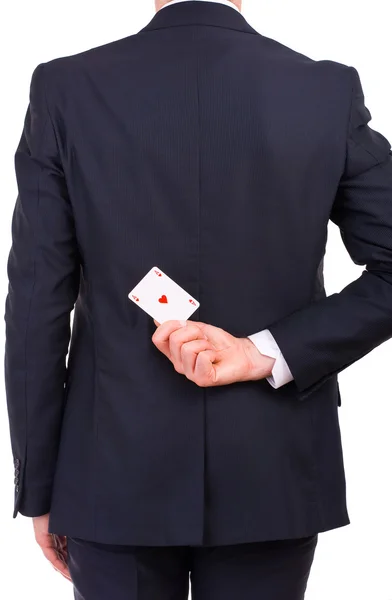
53,546
209,356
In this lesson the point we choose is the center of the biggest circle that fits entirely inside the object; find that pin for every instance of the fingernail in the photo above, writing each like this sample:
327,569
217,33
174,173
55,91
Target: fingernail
182,323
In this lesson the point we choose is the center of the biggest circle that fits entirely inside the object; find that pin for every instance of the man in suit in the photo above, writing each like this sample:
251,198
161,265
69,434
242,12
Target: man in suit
210,447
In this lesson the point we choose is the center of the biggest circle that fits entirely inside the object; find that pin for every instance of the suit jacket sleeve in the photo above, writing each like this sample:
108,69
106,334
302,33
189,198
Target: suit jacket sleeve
43,273
331,334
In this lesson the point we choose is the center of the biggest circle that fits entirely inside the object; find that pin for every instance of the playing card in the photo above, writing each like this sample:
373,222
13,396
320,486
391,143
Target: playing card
162,298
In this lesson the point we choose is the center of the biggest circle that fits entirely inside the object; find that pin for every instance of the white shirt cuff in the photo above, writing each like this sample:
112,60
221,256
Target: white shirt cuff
266,344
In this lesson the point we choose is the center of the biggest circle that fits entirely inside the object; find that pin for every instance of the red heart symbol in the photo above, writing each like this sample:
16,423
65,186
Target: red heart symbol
163,299
192,302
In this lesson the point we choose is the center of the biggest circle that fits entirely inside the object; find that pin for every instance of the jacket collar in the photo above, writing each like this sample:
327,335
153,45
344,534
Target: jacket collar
198,12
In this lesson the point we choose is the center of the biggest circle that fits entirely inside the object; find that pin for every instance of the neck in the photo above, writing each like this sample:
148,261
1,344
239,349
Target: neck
161,3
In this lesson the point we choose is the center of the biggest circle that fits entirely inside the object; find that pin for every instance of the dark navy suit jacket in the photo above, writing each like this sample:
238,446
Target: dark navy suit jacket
220,155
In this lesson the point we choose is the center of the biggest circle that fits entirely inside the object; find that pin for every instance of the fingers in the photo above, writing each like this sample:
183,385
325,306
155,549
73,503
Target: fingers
59,564
169,337
64,548
190,352
53,546
205,354
180,338
205,374
162,334
60,545
194,348
217,336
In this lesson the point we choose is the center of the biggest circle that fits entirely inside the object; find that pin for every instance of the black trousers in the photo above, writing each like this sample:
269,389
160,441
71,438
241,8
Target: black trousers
276,570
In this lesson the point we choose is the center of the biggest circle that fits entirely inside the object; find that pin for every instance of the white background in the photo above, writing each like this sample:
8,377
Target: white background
354,562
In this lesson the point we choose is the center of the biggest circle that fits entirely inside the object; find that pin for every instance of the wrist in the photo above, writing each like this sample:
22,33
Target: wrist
260,365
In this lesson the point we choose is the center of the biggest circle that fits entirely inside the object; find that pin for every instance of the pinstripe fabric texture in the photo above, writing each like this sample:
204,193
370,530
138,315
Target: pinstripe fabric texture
202,146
